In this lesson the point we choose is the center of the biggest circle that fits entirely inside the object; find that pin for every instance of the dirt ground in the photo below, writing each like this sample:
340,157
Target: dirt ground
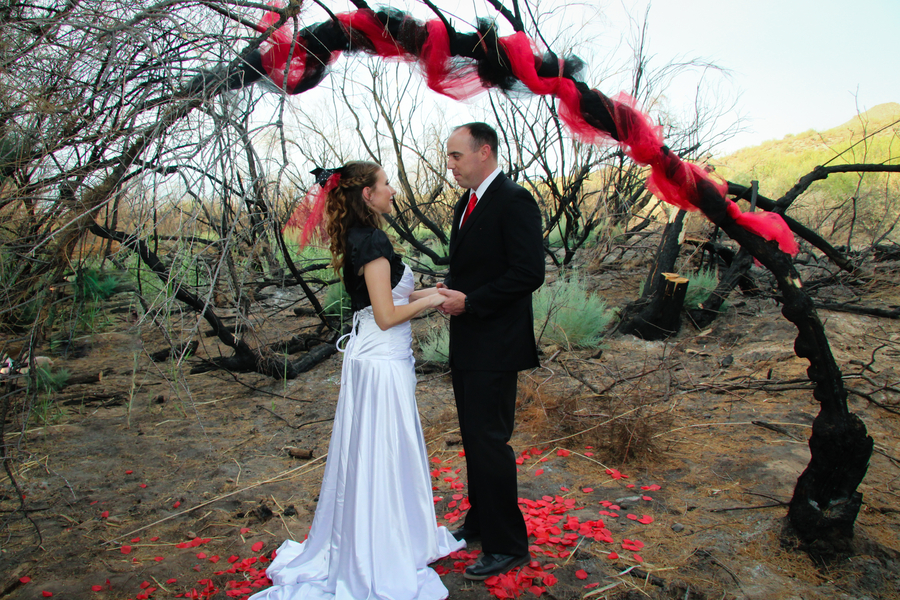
157,483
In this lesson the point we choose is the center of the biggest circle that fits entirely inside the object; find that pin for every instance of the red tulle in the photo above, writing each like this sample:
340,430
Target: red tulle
524,59
435,62
309,215
276,49
365,22
769,226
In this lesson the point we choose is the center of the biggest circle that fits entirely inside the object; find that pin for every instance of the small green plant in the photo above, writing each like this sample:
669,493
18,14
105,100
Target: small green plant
337,301
95,285
568,314
436,345
700,285
43,384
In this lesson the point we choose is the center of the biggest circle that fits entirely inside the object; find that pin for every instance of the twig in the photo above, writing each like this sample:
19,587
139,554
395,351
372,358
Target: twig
280,477
718,510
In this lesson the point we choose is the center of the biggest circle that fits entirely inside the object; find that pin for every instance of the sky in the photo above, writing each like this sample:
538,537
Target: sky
796,64
789,65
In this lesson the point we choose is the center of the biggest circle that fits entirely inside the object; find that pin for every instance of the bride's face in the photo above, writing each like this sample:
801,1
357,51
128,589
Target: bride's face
380,197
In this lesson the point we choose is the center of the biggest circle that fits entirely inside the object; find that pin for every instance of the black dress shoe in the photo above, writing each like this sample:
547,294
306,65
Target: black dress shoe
462,533
494,564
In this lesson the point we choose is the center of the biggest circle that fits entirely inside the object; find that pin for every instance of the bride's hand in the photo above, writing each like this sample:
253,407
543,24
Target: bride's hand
435,300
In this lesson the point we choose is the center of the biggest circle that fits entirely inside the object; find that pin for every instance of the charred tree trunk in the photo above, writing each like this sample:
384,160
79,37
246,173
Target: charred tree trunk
655,315
825,501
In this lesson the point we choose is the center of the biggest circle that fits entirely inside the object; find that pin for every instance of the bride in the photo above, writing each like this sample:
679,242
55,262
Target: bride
374,532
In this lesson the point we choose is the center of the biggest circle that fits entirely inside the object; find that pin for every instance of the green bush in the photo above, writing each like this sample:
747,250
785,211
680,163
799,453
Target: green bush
566,313
436,346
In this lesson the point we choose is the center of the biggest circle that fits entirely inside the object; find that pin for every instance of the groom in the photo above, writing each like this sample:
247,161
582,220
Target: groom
496,262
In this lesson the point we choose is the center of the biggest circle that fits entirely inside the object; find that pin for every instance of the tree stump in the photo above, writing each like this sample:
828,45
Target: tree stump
661,317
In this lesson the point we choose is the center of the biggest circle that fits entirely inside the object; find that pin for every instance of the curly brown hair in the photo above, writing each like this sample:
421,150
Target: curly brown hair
345,207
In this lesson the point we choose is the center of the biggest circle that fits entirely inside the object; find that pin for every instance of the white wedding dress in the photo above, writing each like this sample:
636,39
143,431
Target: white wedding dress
375,531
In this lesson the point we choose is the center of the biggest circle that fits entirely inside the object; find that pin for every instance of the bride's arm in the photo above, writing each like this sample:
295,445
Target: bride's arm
378,282
422,293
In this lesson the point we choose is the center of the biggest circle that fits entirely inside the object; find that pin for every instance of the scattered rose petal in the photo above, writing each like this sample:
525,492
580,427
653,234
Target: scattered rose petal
201,555
213,559
563,488
25,579
158,558
581,574
144,585
142,485
638,558
587,490
245,530
96,588
126,549
171,581
645,519
154,538
612,556
647,498
46,594
129,472
104,514
630,485
563,452
135,540
588,453
257,546
177,504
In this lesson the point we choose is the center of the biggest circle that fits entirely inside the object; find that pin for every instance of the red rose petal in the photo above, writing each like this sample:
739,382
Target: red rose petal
245,530
154,539
158,558
257,546
638,558
612,556
126,549
104,514
646,519
587,490
562,452
135,540
539,472
96,588
631,516
563,488
201,555
25,579
142,485
46,594
177,504
647,498
213,559
581,574
129,472
588,453
171,581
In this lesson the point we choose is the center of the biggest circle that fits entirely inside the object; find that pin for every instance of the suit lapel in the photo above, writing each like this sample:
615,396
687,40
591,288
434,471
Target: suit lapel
480,208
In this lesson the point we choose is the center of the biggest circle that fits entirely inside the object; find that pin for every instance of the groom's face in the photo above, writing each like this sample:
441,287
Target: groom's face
466,162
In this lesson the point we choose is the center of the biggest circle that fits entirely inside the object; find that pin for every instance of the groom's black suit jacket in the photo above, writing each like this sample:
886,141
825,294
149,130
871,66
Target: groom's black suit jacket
497,260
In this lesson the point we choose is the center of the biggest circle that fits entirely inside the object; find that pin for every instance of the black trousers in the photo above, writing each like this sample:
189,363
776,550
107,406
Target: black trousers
486,404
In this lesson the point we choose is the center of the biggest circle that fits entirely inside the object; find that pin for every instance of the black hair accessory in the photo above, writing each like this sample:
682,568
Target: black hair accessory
323,175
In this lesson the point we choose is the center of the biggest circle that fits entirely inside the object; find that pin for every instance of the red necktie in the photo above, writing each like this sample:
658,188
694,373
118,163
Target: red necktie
469,208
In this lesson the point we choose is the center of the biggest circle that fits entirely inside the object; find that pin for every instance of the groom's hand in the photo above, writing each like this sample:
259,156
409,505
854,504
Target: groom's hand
455,304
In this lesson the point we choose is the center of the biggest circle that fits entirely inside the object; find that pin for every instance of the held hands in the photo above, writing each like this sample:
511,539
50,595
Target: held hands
454,302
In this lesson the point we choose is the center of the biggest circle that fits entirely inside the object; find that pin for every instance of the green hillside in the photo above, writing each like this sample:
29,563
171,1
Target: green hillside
850,207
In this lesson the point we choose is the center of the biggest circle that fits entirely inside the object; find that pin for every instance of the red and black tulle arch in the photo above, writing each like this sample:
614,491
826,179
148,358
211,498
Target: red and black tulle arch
461,64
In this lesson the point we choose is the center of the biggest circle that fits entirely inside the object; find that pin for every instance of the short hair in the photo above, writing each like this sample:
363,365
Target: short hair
482,134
